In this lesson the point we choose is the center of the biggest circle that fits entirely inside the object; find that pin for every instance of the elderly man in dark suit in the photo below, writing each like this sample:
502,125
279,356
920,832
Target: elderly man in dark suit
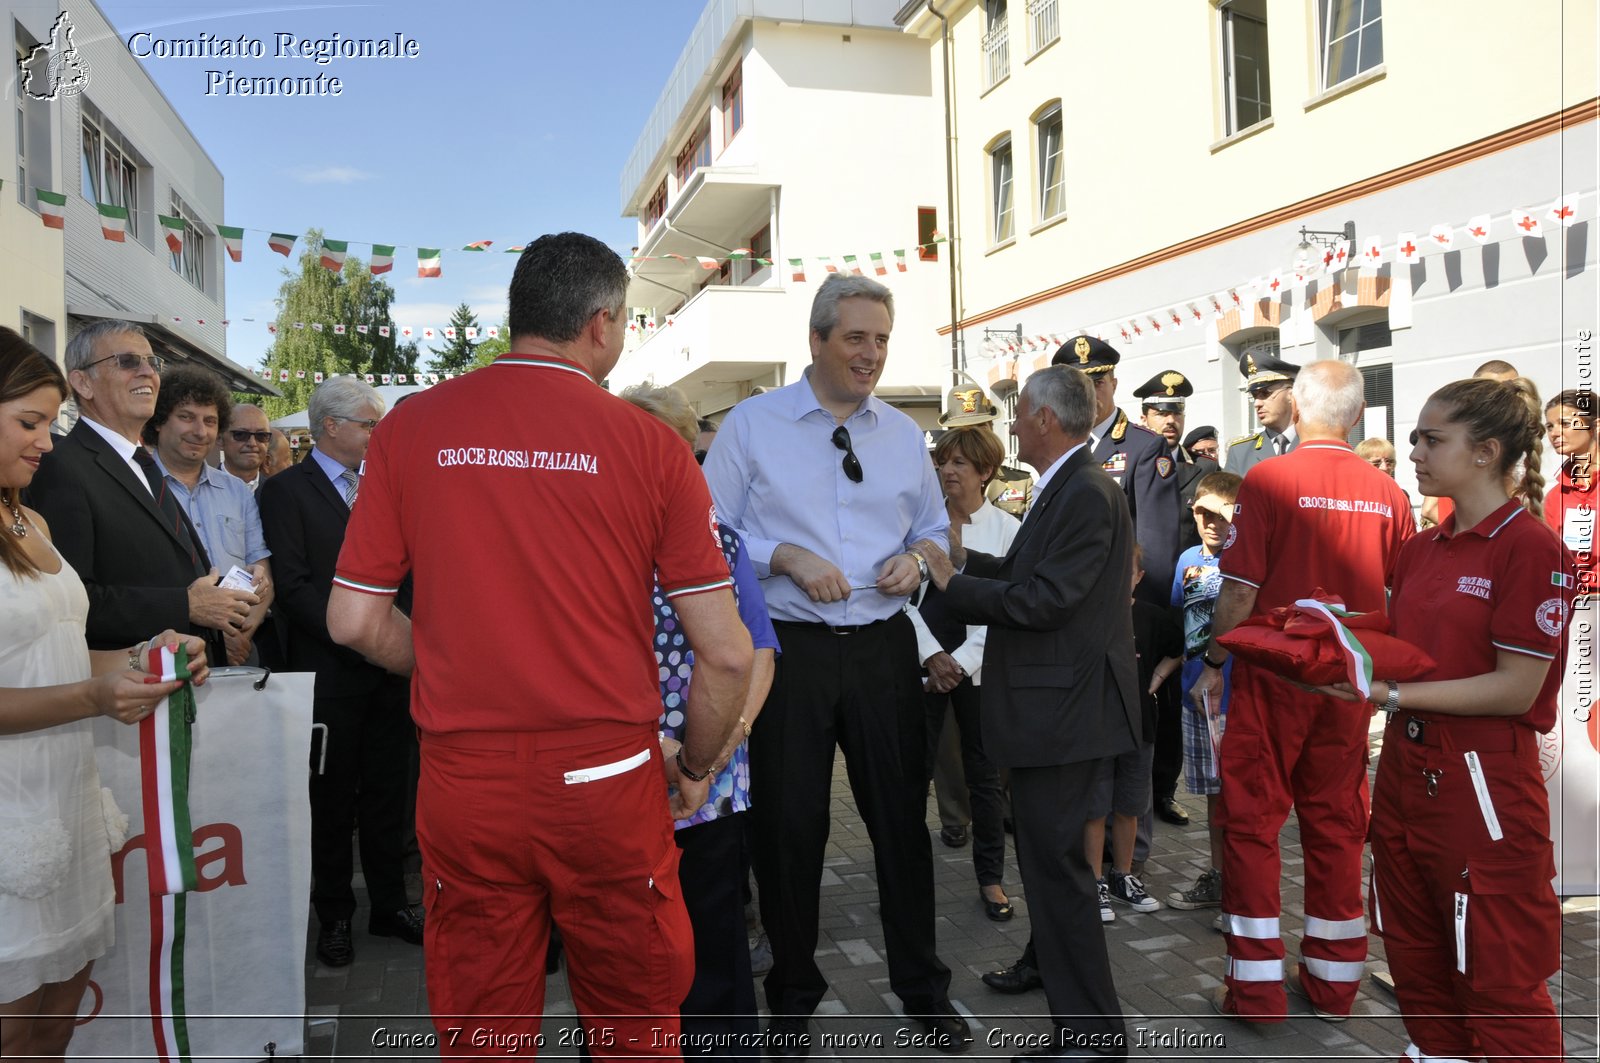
362,765
113,519
1064,692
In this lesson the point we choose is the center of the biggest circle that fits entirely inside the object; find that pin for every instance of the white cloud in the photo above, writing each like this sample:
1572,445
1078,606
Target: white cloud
329,175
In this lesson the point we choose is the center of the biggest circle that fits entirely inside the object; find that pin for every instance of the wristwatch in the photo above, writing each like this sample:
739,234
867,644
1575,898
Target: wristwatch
922,563
683,769
1392,702
1206,660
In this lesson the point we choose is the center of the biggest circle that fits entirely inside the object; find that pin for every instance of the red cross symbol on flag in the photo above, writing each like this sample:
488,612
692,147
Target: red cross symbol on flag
1124,331
1527,223
1478,230
1136,330
1563,211
1408,249
1235,297
1155,324
1327,258
1276,283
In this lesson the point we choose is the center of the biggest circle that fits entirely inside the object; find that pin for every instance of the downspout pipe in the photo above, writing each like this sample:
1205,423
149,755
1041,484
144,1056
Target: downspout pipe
950,199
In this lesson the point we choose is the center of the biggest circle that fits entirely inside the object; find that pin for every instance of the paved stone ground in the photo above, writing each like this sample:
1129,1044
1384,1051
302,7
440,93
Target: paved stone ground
1165,962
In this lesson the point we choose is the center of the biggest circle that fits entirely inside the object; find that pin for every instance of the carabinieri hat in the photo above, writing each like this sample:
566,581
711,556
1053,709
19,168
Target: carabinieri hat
1165,391
967,406
1265,369
1088,354
1205,431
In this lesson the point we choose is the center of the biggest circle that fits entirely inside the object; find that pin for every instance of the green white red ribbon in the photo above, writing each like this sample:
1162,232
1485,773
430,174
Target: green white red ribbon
1357,661
164,754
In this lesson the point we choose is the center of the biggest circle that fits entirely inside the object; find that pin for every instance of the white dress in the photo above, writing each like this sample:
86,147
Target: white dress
56,901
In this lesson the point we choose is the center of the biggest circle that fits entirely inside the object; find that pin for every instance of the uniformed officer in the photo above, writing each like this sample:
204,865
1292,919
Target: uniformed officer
1202,443
1163,396
1136,458
1269,381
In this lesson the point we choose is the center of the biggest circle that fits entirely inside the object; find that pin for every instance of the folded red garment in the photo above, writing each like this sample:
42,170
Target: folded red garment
1315,641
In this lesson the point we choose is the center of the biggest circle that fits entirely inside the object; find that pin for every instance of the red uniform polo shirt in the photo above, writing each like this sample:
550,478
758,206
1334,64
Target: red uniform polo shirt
1318,517
1505,584
532,510
1570,510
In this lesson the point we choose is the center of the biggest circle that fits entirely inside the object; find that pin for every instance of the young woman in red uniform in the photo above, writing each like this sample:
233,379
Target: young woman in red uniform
1460,832
1569,419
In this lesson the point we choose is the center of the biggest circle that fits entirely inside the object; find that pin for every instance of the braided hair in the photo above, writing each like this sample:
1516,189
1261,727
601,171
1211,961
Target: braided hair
1508,412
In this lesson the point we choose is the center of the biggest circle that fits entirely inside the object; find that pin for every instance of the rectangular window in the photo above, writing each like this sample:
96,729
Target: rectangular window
22,153
1052,184
1246,90
110,172
733,104
190,262
927,229
1000,169
91,163
1044,24
696,153
996,45
1352,38
656,207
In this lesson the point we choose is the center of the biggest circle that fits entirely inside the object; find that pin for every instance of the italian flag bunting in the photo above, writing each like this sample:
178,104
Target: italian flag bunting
52,208
233,240
706,263
740,252
333,254
850,264
165,743
382,258
282,243
900,259
428,262
877,264
478,245
114,222
516,250
797,270
172,229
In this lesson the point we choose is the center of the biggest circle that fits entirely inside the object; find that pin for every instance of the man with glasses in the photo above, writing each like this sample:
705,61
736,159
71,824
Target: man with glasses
361,768
245,444
1270,383
112,515
833,493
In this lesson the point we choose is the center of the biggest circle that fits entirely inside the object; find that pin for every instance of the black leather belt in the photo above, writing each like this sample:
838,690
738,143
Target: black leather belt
832,629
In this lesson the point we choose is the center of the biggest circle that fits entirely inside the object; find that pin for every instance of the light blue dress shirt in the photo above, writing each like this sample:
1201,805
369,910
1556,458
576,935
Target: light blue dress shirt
333,470
223,510
776,477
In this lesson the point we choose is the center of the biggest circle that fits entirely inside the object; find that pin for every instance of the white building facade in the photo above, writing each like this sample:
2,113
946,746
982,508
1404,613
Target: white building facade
1108,188
108,136
786,130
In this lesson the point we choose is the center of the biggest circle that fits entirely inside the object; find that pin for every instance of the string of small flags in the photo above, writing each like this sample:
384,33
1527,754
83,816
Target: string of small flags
284,375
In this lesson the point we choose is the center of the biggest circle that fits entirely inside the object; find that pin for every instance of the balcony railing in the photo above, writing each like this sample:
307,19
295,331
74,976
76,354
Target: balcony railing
996,55
1044,24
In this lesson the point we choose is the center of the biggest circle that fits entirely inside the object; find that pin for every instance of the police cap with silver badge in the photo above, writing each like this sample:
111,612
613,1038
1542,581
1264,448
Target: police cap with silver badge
1088,354
1165,391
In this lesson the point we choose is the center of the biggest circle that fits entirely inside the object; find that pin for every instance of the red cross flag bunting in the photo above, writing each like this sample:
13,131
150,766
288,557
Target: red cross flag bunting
1194,311
1338,256
1372,255
1442,236
1526,223
1275,285
1218,302
1406,249
1564,210
1177,318
1478,228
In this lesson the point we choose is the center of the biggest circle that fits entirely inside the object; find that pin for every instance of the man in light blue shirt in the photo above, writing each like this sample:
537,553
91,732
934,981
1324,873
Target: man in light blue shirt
191,409
836,500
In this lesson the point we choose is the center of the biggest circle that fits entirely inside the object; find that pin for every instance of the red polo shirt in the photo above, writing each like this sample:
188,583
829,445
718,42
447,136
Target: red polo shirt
532,510
1505,584
1570,510
1318,517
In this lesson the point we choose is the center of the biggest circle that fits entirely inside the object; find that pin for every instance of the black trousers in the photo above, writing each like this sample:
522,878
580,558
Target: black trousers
986,798
722,999
861,692
364,760
1050,806
1167,767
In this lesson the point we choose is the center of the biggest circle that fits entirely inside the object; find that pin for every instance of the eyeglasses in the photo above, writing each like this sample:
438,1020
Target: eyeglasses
852,464
129,362
241,435
368,424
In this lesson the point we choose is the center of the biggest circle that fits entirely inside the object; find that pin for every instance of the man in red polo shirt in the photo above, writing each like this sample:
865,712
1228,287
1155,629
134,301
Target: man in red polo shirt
1317,518
534,511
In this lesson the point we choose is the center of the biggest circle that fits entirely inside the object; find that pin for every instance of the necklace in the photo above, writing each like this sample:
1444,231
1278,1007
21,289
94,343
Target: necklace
19,529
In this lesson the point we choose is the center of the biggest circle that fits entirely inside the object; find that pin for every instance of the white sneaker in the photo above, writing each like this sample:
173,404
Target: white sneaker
1127,889
1106,914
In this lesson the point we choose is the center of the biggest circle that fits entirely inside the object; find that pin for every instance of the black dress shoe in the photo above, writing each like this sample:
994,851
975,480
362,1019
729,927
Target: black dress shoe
1018,978
1169,809
335,946
954,837
947,1030
787,1037
403,923
999,911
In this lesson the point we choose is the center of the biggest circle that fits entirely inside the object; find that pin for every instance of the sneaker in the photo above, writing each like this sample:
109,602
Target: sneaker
761,955
1205,893
1127,889
1219,924
1106,914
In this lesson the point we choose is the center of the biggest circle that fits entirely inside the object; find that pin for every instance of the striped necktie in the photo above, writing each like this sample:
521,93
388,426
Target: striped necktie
352,485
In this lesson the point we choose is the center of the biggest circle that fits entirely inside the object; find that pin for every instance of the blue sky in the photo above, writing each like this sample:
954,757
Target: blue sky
514,120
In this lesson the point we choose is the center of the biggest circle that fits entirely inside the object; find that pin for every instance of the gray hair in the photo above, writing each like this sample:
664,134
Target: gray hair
1065,392
1329,393
80,348
825,307
342,396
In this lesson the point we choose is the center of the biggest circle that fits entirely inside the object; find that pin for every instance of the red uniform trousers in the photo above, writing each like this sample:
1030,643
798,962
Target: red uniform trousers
519,828
1284,746
1470,923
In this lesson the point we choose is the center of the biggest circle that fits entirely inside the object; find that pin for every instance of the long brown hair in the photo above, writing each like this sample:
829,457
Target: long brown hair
23,370
1508,412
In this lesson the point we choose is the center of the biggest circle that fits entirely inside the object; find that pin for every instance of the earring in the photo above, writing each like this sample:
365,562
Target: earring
1482,462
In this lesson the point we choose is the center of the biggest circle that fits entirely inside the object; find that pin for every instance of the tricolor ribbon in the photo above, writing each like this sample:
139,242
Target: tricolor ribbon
165,742
1357,661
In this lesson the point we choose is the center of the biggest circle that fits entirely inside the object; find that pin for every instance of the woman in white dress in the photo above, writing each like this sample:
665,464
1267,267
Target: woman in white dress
56,829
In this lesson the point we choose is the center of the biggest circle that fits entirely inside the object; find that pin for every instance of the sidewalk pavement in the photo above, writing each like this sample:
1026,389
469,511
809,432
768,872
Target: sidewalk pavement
1165,962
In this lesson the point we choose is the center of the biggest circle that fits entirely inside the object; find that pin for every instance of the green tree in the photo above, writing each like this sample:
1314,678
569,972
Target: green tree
311,296
456,355
489,350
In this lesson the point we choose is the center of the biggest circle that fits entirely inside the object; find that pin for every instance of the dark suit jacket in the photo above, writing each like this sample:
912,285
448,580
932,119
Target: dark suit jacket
1150,484
1060,678
303,517
1191,470
132,558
